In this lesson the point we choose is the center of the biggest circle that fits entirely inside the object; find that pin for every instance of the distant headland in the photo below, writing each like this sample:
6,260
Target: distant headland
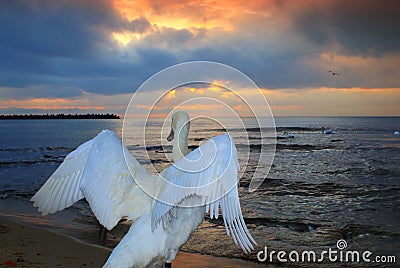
59,116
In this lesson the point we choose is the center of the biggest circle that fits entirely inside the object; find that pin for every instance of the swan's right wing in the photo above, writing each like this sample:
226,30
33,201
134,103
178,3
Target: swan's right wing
210,172
98,171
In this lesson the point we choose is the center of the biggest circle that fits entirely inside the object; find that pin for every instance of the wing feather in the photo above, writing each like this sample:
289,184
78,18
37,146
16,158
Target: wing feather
97,170
215,181
75,161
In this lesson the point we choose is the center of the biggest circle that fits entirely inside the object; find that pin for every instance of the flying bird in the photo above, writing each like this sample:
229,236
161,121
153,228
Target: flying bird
104,172
334,73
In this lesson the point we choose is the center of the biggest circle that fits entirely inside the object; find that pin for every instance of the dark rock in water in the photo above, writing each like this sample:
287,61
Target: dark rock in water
336,140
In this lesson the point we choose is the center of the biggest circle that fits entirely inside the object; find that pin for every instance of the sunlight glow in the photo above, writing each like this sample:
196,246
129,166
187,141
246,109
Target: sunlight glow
122,38
126,37
171,94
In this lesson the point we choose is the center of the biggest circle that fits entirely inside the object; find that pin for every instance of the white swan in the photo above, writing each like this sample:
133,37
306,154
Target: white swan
396,133
328,131
288,136
98,171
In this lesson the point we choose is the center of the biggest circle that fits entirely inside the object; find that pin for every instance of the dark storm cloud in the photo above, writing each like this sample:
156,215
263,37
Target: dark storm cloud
49,29
139,25
61,28
359,26
64,43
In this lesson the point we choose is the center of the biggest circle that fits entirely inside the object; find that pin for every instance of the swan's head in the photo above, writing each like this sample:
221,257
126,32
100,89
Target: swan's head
180,122
179,133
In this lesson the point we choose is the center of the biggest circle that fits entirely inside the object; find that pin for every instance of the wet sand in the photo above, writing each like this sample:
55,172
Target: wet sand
28,246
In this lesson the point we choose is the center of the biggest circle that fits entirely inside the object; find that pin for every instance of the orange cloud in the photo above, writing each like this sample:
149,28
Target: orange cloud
48,104
334,101
176,14
89,101
171,94
202,107
290,102
283,102
207,14
286,107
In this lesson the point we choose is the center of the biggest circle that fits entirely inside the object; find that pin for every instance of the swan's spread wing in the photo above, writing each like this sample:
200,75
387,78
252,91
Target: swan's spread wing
61,190
96,170
211,172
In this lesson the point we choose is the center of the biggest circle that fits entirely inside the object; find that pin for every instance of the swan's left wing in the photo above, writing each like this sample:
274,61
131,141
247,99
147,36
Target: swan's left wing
211,172
104,172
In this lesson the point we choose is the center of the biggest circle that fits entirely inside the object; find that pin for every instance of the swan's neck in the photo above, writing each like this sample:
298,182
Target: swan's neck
180,146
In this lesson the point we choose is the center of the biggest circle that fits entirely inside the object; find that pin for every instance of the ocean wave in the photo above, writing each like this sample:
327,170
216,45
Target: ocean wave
8,163
271,222
306,147
32,158
37,149
299,129
159,161
283,146
267,129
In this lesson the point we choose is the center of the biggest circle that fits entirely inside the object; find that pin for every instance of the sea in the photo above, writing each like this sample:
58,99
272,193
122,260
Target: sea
322,192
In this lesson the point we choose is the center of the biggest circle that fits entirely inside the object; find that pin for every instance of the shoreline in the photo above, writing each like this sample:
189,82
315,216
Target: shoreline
25,245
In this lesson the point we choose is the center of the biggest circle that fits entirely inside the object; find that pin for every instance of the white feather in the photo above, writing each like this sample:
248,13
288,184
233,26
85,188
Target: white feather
96,170
216,183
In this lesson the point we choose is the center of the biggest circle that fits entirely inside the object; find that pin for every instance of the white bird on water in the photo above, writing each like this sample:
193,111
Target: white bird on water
97,170
288,135
328,131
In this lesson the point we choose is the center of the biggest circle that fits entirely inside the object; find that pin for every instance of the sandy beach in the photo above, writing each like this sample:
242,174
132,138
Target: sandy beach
28,246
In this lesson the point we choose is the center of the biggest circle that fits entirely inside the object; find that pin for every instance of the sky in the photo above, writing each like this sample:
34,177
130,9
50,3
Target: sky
89,56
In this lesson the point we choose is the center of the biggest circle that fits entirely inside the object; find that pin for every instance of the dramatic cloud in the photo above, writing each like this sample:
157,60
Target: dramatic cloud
358,26
66,44
66,49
